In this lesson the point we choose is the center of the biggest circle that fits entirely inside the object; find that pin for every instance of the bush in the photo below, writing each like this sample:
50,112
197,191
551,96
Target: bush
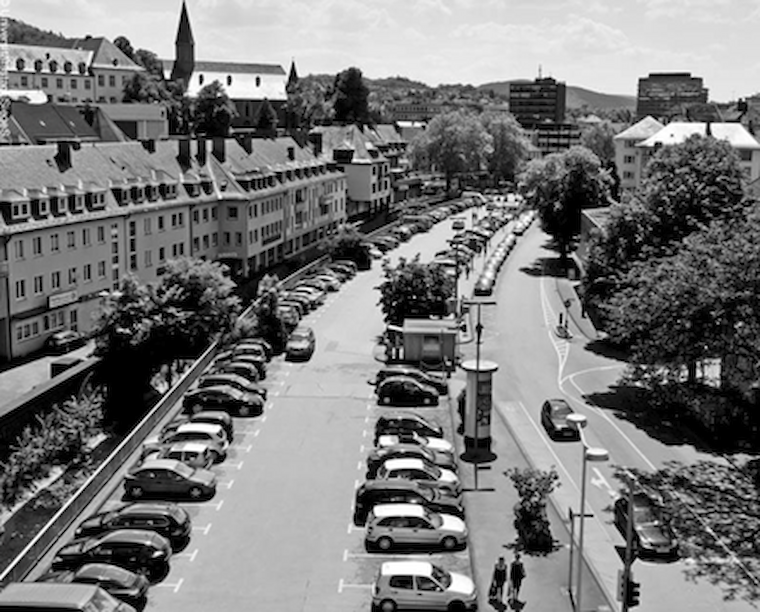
531,522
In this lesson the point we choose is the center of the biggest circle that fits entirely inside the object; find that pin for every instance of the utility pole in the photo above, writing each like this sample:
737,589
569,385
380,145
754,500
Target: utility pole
627,576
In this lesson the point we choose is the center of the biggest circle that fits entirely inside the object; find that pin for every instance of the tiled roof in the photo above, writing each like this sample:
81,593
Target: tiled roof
228,67
29,54
677,132
641,130
106,54
40,122
347,137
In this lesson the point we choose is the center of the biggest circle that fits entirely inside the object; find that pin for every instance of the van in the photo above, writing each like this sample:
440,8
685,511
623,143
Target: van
51,597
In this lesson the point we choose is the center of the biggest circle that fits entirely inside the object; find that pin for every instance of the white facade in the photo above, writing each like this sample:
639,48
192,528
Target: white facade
627,154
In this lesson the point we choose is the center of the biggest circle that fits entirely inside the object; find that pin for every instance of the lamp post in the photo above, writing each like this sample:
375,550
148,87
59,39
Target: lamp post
579,421
455,244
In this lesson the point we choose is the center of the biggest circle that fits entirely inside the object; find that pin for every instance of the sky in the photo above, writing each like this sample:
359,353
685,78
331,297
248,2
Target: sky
602,45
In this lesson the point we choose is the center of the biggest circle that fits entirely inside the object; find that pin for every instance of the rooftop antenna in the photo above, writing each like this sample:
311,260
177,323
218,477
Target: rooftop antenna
539,71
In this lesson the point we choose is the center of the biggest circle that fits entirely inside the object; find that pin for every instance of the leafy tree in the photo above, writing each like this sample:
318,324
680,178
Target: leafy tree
559,186
599,140
307,104
531,522
351,95
509,146
149,61
122,43
270,325
146,89
453,143
267,119
414,290
348,243
214,111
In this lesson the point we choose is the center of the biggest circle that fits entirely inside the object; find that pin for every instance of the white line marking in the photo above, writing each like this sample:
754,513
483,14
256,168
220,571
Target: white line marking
219,506
247,448
275,393
204,529
361,448
256,433
227,484
179,585
264,419
240,466
364,433
269,405
600,481
190,556
368,555
359,465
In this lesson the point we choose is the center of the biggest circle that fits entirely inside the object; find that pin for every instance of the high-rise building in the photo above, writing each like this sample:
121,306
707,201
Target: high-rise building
664,94
539,101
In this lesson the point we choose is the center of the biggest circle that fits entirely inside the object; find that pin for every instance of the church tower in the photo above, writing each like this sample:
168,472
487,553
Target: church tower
184,45
290,87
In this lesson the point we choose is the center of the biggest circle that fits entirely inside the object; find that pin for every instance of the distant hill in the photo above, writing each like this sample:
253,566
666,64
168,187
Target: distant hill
20,33
575,97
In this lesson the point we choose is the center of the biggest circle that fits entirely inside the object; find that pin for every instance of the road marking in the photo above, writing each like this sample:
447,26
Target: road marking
269,405
227,484
361,448
256,433
170,585
264,419
205,529
352,585
190,556
600,481
422,556
246,448
275,393
359,465
364,433
238,465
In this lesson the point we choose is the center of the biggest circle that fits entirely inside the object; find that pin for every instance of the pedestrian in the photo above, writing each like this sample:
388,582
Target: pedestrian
498,580
516,576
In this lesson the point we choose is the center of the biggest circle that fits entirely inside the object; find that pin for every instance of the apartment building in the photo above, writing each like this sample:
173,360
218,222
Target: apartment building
665,94
77,217
538,101
627,153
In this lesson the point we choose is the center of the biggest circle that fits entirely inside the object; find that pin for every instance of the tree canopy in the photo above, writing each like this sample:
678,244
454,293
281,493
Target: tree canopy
351,97
598,139
509,146
214,111
267,119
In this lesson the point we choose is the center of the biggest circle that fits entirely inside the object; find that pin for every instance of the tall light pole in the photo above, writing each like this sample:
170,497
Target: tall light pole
579,421
455,244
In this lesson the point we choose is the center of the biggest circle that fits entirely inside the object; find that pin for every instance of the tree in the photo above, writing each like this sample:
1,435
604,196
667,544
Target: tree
146,89
351,95
453,143
122,43
149,61
266,122
509,146
560,186
307,104
531,522
214,111
348,243
270,325
414,290
599,140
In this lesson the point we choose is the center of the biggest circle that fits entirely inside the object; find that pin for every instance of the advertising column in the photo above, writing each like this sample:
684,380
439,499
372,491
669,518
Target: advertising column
478,406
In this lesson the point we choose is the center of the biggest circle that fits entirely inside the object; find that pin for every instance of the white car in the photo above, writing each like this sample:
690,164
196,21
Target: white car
390,525
434,444
417,469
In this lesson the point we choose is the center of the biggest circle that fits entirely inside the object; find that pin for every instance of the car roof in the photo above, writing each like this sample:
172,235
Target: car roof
404,463
414,568
384,510
189,445
147,508
40,594
103,570
160,464
195,426
130,535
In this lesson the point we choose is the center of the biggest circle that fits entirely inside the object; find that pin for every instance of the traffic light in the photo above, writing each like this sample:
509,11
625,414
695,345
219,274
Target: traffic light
633,593
621,586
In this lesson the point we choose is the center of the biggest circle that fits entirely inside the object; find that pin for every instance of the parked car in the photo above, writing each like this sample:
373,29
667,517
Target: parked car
304,301
554,413
316,297
333,282
169,477
169,520
407,422
391,525
346,263
301,343
246,370
417,469
319,284
412,437
134,549
401,490
458,224
193,454
236,381
249,348
127,586
288,315
225,398
406,391
214,417
65,341
31,597
268,349
438,382
483,286
421,585
652,534
377,456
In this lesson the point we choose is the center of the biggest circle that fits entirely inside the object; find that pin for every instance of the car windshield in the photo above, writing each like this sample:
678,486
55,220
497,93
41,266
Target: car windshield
299,337
183,470
442,576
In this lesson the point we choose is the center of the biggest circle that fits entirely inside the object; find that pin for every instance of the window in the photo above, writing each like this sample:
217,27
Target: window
424,583
24,81
174,220
133,262
101,80
55,280
181,219
86,240
174,250
38,285
73,83
44,81
238,238
18,247
146,226
37,245
101,269
628,159
745,154
20,289
111,80
70,240
232,212
148,259
87,84
205,241
160,223
101,234
54,246
181,248
215,239
196,216
401,582
205,214
72,276
161,254
87,273
196,244
627,174
59,83
226,238
133,228
213,213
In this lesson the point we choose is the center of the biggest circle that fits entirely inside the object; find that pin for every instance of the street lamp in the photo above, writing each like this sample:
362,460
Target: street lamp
578,422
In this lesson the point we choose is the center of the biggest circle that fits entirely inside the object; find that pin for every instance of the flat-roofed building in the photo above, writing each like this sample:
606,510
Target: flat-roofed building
666,94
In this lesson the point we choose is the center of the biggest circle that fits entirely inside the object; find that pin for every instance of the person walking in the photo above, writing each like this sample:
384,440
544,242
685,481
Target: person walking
516,576
499,580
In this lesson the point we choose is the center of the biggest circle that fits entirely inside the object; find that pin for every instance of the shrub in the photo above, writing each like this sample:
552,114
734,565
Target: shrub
534,487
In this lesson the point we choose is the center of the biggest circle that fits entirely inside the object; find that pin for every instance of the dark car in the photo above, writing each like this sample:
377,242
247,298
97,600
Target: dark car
302,300
244,356
377,456
288,315
249,348
406,391
439,383
228,379
300,308
264,344
65,341
554,413
169,478
246,370
168,520
391,424
652,534
403,491
215,417
128,586
301,343
133,549
224,398
484,286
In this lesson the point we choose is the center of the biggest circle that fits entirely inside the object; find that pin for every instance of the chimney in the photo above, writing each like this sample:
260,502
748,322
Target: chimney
291,153
316,140
708,129
246,141
63,155
184,152
149,145
219,149
201,150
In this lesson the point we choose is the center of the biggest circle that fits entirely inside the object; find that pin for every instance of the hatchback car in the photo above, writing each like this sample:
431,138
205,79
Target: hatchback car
288,315
213,417
133,549
212,433
377,456
406,391
129,587
247,370
407,422
194,454
169,478
226,398
237,381
169,520
301,344
401,490
249,348
652,535
458,224
392,525
65,341
421,585
417,469
554,415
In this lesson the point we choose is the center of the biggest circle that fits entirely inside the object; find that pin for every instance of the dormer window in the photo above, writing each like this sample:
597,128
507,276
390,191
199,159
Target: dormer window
20,211
229,80
270,181
53,66
115,62
168,192
76,203
200,79
288,175
151,192
207,187
40,207
67,67
258,81
137,195
121,195
82,68
95,200
193,189
20,64
38,65
58,205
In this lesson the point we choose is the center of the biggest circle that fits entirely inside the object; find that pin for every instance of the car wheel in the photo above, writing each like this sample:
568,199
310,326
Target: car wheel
136,491
385,543
244,411
449,543
387,605
195,492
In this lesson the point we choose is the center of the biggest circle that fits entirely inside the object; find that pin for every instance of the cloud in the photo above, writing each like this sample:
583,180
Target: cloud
694,10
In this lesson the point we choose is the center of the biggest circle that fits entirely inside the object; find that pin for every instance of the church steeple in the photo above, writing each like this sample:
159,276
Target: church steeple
292,78
184,45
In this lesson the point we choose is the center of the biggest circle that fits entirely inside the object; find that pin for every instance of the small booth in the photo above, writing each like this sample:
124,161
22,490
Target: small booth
431,341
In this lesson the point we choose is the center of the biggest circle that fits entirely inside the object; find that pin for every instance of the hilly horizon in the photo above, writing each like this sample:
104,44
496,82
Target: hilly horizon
575,97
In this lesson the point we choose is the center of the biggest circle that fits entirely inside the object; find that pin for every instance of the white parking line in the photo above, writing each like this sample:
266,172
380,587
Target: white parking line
238,465
227,484
256,433
269,405
171,585
378,555
246,448
275,393
190,556
264,419
352,585
366,419
361,448
364,433
205,529
359,465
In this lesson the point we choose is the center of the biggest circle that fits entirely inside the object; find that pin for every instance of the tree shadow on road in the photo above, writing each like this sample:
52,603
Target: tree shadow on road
545,267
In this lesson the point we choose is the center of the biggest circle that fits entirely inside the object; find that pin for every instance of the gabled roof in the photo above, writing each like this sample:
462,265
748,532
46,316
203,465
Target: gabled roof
106,54
47,122
677,132
229,67
184,31
641,130
344,137
29,54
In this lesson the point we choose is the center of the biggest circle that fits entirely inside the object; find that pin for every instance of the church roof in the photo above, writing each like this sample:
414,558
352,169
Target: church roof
184,31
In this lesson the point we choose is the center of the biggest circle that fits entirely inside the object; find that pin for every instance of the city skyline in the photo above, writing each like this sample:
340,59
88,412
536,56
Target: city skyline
597,45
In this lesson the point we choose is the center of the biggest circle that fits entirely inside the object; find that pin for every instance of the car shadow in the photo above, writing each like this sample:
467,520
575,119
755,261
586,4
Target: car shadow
413,549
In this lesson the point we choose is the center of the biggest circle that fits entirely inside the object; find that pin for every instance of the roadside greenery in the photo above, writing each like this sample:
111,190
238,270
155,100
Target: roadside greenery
347,243
531,521
269,325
